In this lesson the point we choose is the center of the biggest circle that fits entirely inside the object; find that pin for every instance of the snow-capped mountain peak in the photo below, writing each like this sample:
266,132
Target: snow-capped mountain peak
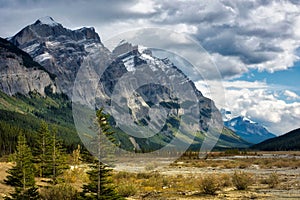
227,115
246,128
246,119
60,50
47,20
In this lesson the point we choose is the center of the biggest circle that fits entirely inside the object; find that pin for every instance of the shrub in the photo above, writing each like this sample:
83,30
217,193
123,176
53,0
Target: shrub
243,165
126,190
142,175
210,184
59,192
225,180
151,166
76,175
241,180
232,152
273,180
123,175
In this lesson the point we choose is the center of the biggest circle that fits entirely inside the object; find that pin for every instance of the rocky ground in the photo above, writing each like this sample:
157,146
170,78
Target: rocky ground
288,186
163,178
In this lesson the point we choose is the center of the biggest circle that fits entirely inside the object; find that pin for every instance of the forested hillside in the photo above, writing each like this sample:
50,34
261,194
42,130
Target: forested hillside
287,142
22,113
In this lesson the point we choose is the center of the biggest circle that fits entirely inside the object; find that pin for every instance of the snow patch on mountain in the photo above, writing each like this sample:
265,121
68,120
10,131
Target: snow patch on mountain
32,48
129,63
147,57
246,119
50,44
246,128
48,21
44,56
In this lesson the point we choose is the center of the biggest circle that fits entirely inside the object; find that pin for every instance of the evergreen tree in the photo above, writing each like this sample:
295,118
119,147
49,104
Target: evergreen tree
76,157
43,151
58,158
100,186
29,194
51,160
21,176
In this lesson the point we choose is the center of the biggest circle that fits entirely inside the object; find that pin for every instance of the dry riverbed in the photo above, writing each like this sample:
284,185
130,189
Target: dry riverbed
271,175
183,178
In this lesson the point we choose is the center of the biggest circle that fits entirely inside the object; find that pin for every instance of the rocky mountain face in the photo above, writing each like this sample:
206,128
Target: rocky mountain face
151,74
20,74
143,90
247,129
60,50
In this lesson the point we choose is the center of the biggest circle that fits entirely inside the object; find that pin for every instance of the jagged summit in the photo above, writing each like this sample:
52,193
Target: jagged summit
123,48
246,128
60,50
46,29
47,20
64,53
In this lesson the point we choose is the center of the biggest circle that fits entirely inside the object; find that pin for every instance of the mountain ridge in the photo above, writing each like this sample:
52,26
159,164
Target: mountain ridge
249,130
20,74
59,50
62,51
287,142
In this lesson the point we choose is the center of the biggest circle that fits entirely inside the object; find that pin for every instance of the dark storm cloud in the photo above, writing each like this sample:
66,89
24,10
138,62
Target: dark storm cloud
78,13
257,34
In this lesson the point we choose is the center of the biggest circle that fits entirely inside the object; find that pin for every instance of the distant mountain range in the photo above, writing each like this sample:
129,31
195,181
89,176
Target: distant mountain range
39,66
247,129
286,142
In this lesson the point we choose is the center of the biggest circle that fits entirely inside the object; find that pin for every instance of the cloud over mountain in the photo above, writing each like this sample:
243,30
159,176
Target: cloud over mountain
240,36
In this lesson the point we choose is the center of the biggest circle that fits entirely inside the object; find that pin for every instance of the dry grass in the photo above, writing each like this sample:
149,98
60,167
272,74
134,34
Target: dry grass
272,180
127,190
59,192
210,184
4,189
76,177
153,181
213,178
241,163
242,180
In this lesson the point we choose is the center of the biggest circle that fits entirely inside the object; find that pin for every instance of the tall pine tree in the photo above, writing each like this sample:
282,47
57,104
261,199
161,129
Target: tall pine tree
43,151
100,186
21,176
50,158
58,158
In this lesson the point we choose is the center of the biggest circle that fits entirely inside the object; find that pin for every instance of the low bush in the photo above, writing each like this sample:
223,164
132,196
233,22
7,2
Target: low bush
210,184
59,192
273,180
225,180
151,166
127,190
241,180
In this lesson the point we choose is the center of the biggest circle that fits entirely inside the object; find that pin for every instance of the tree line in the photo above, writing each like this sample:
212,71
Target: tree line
47,159
11,123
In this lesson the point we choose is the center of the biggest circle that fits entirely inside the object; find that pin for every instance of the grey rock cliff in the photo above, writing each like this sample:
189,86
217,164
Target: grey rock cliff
60,50
19,74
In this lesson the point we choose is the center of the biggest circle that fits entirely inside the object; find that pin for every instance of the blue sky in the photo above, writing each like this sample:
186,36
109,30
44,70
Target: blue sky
288,79
255,44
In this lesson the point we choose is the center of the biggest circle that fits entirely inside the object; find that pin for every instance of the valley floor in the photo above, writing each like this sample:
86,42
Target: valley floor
271,175
182,179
